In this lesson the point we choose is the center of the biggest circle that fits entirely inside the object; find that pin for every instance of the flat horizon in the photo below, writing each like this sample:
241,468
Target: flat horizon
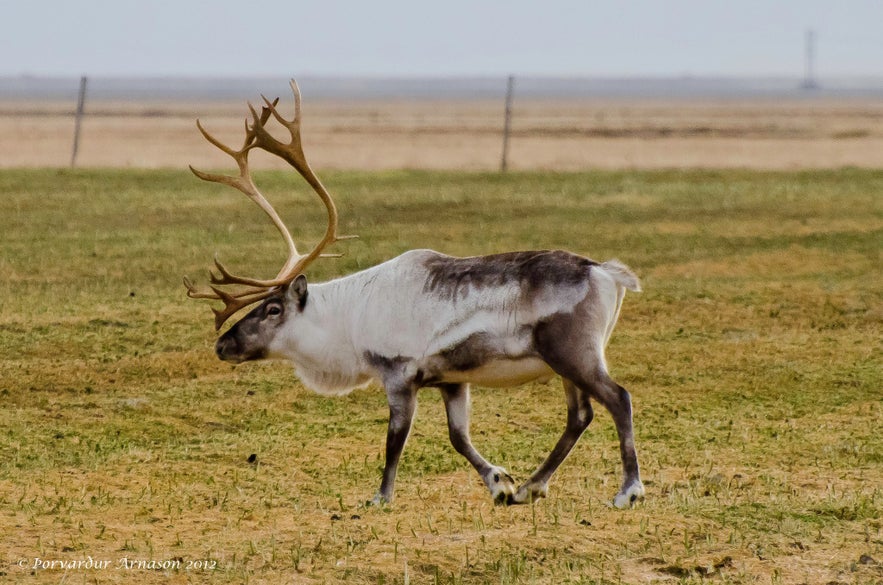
439,87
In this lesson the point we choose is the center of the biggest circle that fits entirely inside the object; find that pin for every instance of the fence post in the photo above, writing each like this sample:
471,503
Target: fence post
81,102
507,124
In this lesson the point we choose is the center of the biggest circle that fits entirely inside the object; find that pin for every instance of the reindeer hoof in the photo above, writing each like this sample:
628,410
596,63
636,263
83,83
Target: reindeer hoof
627,497
530,493
501,485
504,499
378,500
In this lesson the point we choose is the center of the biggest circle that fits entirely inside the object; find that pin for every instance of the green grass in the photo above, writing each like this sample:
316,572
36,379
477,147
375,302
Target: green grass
753,357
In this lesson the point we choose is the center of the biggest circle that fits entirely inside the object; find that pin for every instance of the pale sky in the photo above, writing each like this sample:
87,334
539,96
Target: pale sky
438,38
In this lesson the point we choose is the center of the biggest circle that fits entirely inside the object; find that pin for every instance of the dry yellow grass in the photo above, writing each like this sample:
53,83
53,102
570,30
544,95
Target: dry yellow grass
552,135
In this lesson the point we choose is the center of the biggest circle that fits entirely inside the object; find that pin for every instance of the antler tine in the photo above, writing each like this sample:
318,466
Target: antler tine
195,293
240,156
211,292
293,151
265,116
294,123
233,303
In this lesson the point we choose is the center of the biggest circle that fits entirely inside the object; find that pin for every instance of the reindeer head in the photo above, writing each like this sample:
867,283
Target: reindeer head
252,337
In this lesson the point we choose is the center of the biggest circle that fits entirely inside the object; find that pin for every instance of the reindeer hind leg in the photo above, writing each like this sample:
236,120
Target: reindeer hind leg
580,358
617,401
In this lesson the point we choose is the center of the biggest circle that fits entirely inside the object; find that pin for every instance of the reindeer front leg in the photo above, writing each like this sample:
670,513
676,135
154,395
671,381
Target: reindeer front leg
402,399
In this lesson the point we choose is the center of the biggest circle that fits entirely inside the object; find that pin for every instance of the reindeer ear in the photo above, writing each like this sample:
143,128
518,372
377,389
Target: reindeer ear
297,292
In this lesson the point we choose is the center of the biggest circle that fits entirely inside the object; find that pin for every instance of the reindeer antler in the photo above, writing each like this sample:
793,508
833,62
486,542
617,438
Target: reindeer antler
256,136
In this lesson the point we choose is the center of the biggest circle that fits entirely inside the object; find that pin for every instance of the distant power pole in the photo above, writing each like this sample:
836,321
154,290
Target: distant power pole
507,123
809,75
81,102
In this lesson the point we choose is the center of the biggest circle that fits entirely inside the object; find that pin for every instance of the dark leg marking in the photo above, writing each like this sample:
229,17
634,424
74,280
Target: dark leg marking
401,395
402,406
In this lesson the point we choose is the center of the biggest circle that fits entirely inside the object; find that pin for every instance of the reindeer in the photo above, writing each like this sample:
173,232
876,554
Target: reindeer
425,319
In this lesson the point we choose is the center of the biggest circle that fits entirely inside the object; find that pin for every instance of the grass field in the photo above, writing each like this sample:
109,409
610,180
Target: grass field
753,357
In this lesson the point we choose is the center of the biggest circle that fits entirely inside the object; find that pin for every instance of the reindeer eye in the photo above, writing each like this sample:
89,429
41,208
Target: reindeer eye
274,310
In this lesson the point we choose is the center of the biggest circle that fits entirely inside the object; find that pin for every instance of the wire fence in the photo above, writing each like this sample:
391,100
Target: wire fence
474,124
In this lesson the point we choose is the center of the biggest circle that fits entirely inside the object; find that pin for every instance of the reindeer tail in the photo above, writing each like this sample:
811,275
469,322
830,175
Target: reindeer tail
622,274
